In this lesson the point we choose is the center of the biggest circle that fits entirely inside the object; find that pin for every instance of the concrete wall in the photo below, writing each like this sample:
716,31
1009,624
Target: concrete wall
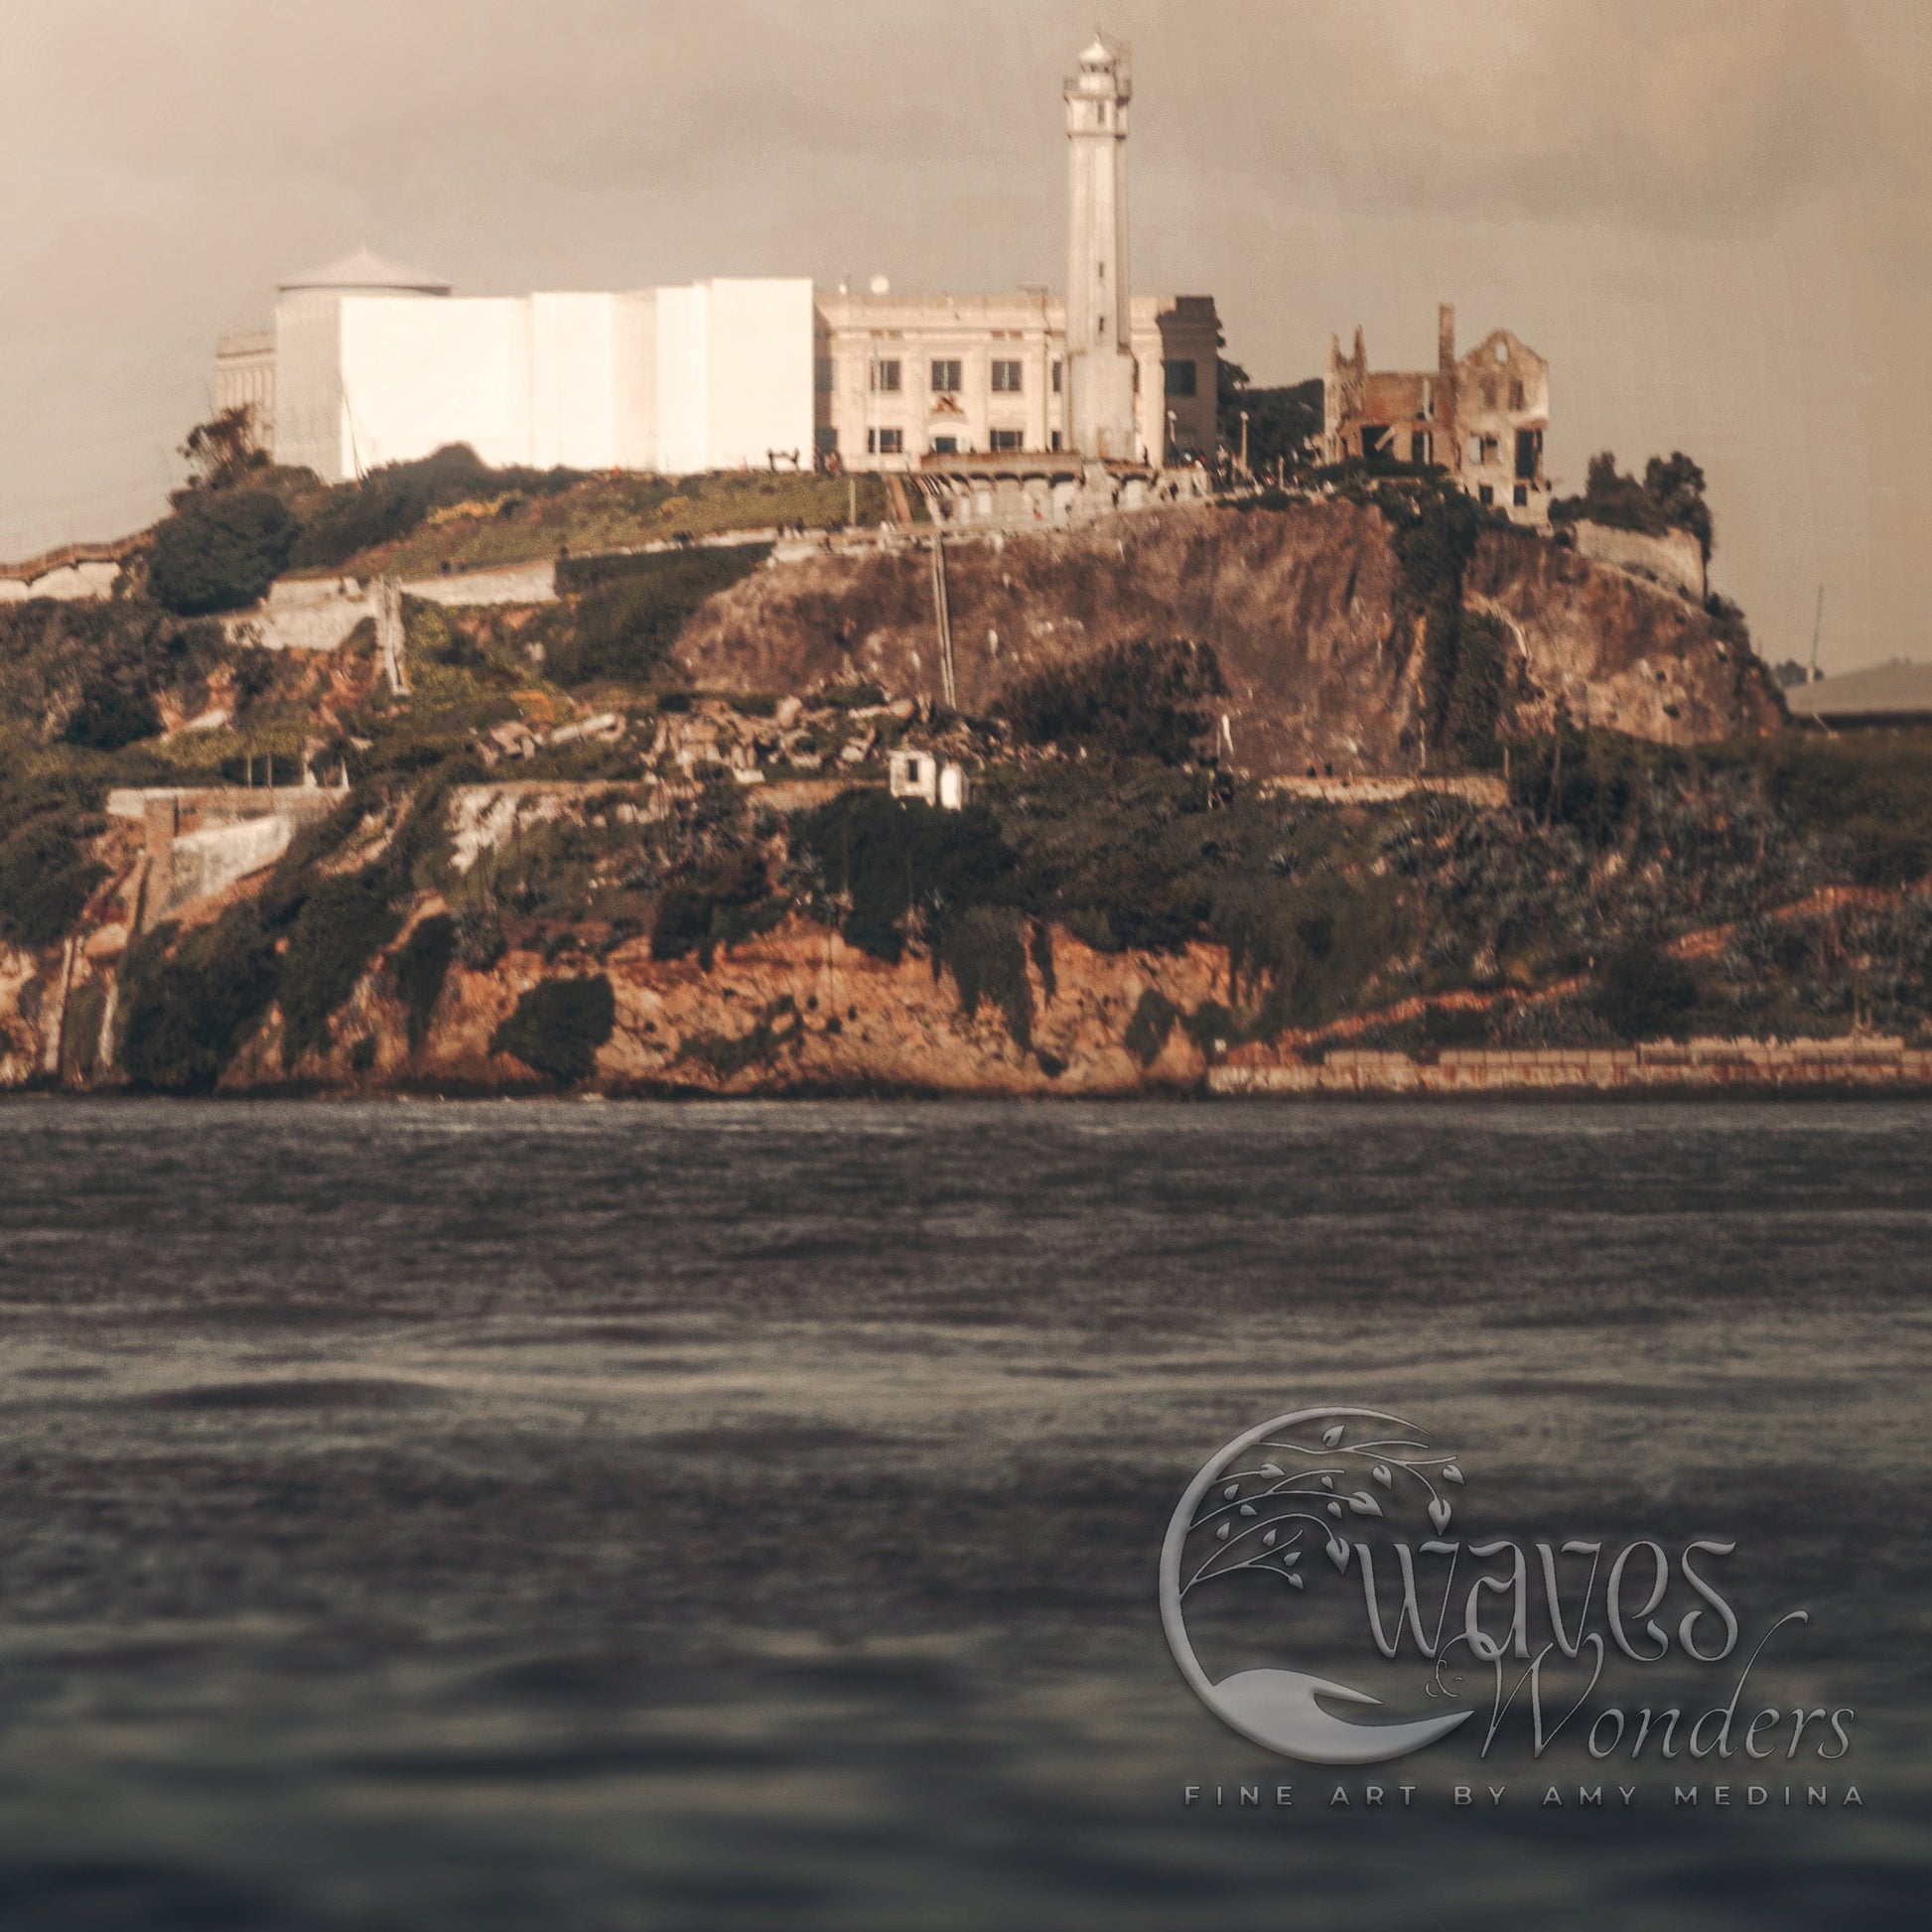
244,379
712,376
1676,558
66,582
572,405
514,584
303,614
758,371
634,329
310,427
202,864
683,378
1701,1063
420,374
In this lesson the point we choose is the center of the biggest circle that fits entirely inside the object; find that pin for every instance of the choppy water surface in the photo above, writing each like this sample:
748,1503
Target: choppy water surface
743,1516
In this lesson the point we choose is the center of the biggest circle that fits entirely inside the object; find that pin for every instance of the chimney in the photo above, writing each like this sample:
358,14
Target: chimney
1445,338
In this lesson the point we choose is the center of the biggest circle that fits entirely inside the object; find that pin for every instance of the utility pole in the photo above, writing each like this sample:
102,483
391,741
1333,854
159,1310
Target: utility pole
1245,471
1817,626
943,612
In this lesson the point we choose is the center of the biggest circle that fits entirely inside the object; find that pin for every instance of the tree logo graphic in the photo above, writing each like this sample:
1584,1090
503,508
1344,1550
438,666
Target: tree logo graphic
1281,1501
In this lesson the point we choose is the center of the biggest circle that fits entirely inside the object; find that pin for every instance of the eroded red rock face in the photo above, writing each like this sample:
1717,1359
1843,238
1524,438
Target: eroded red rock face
1307,609
796,1010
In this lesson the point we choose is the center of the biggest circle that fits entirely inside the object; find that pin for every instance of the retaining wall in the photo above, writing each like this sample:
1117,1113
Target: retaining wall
1863,1062
1676,558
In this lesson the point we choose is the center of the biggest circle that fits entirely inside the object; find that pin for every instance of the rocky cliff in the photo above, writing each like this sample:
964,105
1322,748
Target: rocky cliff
1316,628
792,1011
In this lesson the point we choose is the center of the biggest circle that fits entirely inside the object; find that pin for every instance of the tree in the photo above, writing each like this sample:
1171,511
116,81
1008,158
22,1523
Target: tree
1676,485
1283,423
1670,497
220,551
223,450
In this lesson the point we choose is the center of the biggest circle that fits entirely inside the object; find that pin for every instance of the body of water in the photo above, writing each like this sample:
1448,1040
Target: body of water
738,1515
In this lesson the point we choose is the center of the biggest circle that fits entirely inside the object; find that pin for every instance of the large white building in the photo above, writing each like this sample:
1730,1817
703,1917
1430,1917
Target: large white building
371,362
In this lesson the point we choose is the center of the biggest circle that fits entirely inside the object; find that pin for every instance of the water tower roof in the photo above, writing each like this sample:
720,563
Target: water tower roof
364,272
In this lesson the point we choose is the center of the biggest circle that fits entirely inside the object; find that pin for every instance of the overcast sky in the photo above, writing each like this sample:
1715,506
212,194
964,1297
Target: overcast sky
1714,216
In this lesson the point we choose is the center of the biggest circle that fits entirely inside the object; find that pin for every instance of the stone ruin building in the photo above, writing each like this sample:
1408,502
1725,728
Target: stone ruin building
1481,417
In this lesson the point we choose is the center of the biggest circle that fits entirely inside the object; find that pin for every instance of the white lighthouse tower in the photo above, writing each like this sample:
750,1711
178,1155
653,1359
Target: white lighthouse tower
1099,347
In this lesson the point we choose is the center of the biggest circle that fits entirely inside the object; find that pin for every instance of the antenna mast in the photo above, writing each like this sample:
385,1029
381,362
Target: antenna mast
1817,625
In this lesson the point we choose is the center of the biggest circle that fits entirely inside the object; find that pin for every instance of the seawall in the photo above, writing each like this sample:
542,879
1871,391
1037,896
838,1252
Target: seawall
1700,1064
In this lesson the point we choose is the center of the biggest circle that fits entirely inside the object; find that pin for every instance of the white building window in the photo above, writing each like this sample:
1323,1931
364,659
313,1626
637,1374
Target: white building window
1006,378
1009,439
945,376
884,442
885,377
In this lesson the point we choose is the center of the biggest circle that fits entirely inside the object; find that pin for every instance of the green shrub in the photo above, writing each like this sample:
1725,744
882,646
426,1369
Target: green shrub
1479,687
1870,793
45,881
220,552
108,718
877,861
343,924
1642,993
85,1009
1212,1027
1152,1022
1671,496
389,503
1590,782
1130,700
420,965
728,1054
1041,948
713,907
186,1009
558,1026
480,938
624,629
981,948
1466,664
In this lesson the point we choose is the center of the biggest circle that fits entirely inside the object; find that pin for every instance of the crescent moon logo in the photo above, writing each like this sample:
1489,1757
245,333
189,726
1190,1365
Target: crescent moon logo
1254,1506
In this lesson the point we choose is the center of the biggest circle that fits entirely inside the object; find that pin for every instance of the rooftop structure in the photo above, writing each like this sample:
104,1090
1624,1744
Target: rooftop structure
363,272
1899,693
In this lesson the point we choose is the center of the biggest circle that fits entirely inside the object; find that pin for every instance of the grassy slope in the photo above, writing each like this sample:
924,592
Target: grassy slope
617,512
